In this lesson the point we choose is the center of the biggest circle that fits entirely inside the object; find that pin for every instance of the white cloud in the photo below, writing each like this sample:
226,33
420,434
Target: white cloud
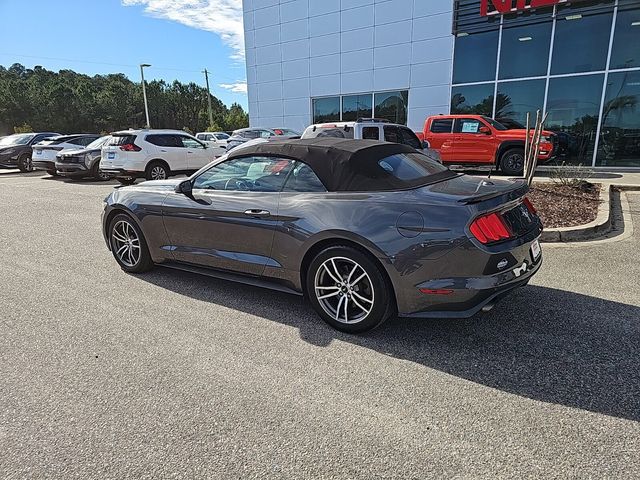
237,87
222,17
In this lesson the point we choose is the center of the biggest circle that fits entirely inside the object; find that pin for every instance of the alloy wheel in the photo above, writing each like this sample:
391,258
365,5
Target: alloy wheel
158,173
344,290
125,243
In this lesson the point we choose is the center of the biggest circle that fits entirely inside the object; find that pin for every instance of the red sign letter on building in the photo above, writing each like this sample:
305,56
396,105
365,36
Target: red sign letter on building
502,6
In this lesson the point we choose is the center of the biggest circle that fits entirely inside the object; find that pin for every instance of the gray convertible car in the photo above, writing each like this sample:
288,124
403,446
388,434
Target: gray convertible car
365,230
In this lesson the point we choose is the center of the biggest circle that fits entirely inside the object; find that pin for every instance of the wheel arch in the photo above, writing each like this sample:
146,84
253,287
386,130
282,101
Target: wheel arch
157,160
507,145
322,243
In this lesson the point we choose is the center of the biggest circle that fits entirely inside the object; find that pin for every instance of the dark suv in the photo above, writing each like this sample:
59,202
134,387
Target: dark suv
16,150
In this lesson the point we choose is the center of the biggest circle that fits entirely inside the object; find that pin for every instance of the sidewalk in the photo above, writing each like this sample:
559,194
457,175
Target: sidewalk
605,178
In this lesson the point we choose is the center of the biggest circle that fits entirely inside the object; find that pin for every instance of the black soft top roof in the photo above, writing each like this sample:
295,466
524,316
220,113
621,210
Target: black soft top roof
341,164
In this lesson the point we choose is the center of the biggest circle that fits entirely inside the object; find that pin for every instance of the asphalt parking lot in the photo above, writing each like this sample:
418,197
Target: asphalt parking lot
170,375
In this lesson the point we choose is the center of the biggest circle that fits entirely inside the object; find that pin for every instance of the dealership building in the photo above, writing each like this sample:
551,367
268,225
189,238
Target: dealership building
312,61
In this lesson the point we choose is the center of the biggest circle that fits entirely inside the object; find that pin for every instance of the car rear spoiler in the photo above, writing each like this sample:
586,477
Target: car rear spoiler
518,189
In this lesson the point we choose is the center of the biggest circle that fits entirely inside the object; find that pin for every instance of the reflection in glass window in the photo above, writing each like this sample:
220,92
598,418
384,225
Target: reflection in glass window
619,143
475,57
581,41
475,99
573,104
326,109
626,40
356,106
515,99
392,106
525,51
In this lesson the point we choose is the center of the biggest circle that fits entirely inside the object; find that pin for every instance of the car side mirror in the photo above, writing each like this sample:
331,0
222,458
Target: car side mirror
425,145
485,130
185,187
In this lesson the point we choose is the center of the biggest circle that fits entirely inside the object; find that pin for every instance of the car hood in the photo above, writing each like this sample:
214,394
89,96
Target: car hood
518,133
169,184
78,151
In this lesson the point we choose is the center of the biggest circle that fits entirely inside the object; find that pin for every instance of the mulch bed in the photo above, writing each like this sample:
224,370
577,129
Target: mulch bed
565,205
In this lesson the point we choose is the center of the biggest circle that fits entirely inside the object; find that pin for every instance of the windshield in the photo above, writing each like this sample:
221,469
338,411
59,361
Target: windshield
494,124
18,139
97,143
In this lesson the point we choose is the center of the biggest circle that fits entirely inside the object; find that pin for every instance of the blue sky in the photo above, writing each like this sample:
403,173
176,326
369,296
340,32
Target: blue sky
179,38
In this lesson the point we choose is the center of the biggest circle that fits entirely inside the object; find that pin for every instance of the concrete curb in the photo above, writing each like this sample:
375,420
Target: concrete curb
602,223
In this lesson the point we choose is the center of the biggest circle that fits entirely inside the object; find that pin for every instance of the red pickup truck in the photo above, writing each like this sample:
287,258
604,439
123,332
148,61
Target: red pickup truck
480,140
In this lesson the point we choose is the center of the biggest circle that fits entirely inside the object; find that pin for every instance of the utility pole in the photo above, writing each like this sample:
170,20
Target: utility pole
144,92
206,77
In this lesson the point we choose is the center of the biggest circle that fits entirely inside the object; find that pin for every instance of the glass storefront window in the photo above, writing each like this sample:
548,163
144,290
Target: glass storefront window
619,143
356,106
392,106
581,41
573,104
515,99
472,99
326,109
525,51
475,57
626,40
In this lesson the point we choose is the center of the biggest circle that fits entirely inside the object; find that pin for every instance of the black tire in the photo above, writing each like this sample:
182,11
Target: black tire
118,234
53,173
98,174
24,163
157,170
512,162
375,286
126,180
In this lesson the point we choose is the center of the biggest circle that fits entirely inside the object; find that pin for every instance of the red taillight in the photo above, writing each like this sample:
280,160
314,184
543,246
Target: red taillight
529,205
130,147
490,228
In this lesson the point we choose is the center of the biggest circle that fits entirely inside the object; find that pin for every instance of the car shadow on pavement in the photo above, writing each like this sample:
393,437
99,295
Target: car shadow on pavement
541,343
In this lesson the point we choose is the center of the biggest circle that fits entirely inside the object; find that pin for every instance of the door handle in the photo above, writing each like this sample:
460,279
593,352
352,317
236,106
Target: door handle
254,212
164,151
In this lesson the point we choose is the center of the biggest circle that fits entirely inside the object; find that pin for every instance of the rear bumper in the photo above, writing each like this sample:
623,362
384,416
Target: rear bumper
121,172
43,165
478,293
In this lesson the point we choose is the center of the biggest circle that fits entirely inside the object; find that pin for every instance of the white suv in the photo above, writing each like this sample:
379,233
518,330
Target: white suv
152,154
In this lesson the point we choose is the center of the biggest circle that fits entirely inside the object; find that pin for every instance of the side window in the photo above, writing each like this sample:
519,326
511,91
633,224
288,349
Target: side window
467,125
251,174
410,138
303,179
370,133
159,140
189,142
265,134
442,126
250,134
392,134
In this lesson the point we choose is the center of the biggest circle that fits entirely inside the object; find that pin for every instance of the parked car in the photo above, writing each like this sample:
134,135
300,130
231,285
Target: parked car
16,150
213,138
371,129
244,134
152,154
44,152
365,229
83,162
480,140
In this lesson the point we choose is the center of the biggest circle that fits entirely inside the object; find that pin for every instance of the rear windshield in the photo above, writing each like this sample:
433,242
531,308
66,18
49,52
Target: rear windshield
411,167
335,132
118,140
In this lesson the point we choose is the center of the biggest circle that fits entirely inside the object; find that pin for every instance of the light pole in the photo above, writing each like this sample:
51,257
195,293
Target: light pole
144,92
206,77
